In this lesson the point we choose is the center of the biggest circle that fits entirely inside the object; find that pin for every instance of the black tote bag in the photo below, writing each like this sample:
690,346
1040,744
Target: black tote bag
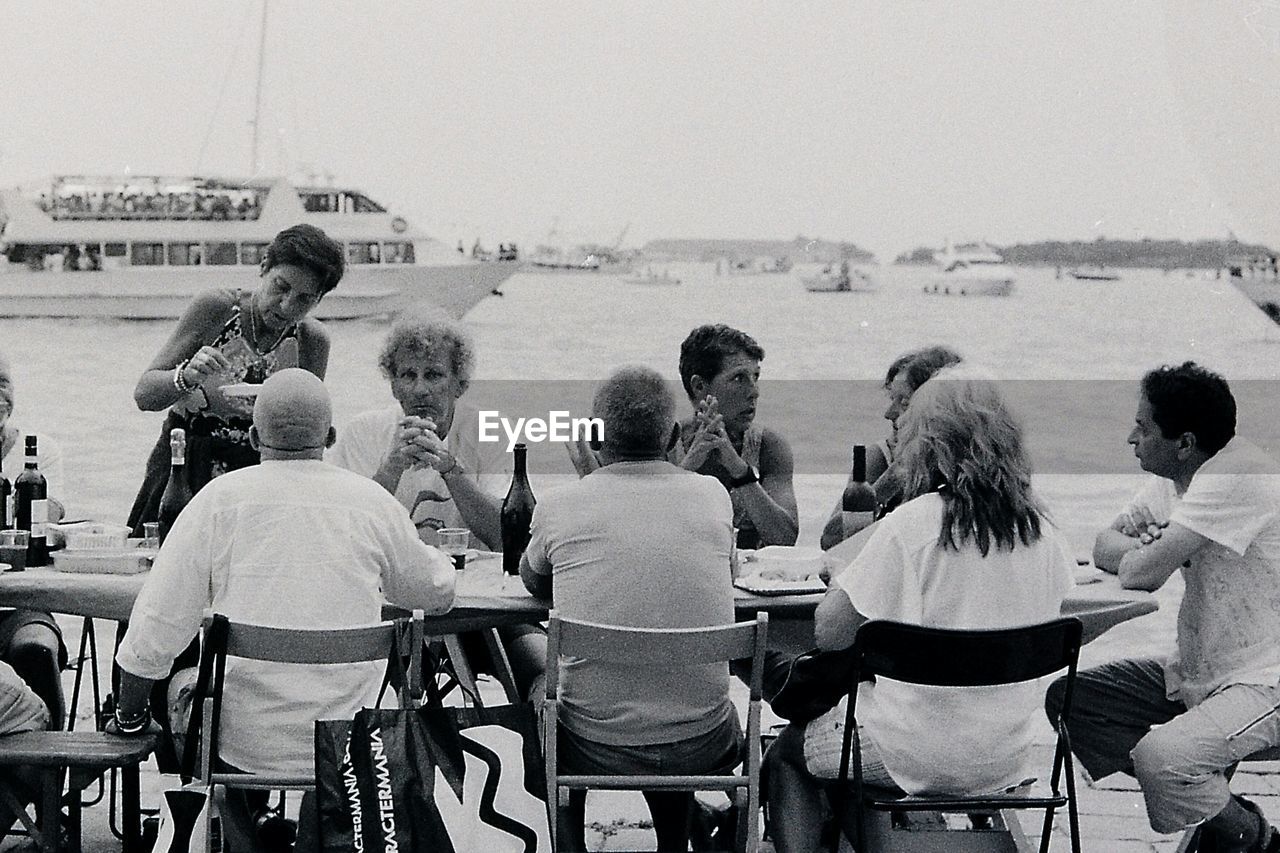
447,780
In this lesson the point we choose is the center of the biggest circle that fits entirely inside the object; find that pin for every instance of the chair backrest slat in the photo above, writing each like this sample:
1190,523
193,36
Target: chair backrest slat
224,638
283,645
437,624
956,658
649,646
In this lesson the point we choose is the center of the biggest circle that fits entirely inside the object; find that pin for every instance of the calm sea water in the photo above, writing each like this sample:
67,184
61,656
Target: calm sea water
75,378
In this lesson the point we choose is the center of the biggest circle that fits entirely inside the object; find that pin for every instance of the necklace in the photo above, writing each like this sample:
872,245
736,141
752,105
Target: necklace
253,327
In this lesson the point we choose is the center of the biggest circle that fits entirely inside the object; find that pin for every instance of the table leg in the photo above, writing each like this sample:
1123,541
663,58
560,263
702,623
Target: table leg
502,665
50,807
462,668
73,819
131,804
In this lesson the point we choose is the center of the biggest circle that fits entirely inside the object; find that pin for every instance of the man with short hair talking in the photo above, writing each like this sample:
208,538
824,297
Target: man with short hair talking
642,543
290,543
1212,509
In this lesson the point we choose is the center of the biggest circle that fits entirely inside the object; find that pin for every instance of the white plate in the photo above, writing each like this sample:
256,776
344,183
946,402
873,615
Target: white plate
770,586
242,389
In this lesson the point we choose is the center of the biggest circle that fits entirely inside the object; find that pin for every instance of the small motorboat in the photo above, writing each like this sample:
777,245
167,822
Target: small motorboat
1100,274
845,280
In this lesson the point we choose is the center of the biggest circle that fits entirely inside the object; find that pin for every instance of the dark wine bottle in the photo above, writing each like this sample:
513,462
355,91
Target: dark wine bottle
6,502
858,495
177,492
517,514
31,506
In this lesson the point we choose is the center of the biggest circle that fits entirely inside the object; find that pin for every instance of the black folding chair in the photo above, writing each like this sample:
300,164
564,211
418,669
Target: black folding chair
954,658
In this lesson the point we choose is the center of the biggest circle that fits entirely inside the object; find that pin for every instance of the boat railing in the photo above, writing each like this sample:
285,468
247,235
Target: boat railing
210,206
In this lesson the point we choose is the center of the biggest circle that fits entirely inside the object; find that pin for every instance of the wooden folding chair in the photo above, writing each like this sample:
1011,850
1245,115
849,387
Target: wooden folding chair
223,639
954,658
84,756
659,647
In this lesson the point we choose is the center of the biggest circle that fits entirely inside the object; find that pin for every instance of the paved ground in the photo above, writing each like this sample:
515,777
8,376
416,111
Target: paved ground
1112,817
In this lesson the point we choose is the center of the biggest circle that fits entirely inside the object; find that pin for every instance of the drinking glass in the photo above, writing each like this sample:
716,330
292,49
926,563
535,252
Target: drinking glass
13,548
151,534
454,542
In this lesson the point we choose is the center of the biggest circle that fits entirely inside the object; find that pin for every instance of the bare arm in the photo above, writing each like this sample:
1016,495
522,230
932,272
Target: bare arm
480,511
201,322
313,347
538,583
1130,530
1149,566
771,503
134,692
1112,544
836,621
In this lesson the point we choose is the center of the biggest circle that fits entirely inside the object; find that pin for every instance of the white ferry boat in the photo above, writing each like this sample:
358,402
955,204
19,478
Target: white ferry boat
141,247
971,270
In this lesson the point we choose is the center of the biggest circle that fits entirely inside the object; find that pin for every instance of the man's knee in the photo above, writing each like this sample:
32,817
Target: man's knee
1172,783
1054,698
35,644
1155,755
786,750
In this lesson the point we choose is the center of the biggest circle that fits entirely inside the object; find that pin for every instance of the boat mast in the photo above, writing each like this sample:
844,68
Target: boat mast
257,91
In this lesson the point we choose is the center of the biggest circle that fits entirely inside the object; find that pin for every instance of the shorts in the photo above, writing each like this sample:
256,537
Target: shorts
717,751
823,741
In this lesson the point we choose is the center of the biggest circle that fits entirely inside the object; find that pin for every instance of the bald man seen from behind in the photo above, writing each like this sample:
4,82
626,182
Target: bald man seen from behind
293,542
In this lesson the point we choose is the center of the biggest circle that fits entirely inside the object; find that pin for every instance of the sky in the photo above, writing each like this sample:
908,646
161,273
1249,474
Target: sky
891,124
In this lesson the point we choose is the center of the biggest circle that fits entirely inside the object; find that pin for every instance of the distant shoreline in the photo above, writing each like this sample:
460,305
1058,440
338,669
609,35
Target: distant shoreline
1125,254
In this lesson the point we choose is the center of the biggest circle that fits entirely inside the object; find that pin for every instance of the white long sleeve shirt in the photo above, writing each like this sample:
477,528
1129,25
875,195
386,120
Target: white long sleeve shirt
288,544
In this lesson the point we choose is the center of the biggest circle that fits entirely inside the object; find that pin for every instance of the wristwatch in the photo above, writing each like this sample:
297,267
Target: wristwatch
752,476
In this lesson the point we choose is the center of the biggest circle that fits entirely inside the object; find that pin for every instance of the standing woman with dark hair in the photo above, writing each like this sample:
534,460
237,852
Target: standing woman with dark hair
228,336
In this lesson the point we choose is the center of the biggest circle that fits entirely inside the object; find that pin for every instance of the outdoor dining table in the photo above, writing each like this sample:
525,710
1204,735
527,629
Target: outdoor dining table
491,599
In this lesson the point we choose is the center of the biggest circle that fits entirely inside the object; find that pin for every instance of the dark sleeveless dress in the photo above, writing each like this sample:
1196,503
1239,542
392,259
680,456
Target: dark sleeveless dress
217,425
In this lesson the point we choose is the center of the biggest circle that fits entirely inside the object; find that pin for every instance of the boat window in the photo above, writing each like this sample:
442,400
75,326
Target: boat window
364,204
252,253
114,250
219,254
364,253
318,202
338,201
397,253
147,254
185,254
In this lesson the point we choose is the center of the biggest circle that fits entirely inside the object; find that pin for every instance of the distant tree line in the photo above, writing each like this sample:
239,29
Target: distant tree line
1147,252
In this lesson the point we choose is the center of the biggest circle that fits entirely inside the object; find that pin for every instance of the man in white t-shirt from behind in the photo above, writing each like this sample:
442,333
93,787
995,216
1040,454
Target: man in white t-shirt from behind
1212,509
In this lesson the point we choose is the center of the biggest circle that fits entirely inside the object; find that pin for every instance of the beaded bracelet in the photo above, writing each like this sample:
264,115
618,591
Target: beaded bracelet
180,381
132,725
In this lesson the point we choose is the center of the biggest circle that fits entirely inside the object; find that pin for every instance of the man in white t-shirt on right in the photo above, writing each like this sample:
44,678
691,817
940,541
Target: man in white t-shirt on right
1212,510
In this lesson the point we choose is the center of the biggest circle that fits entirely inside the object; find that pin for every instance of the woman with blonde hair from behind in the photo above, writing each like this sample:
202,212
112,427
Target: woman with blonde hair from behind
970,548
